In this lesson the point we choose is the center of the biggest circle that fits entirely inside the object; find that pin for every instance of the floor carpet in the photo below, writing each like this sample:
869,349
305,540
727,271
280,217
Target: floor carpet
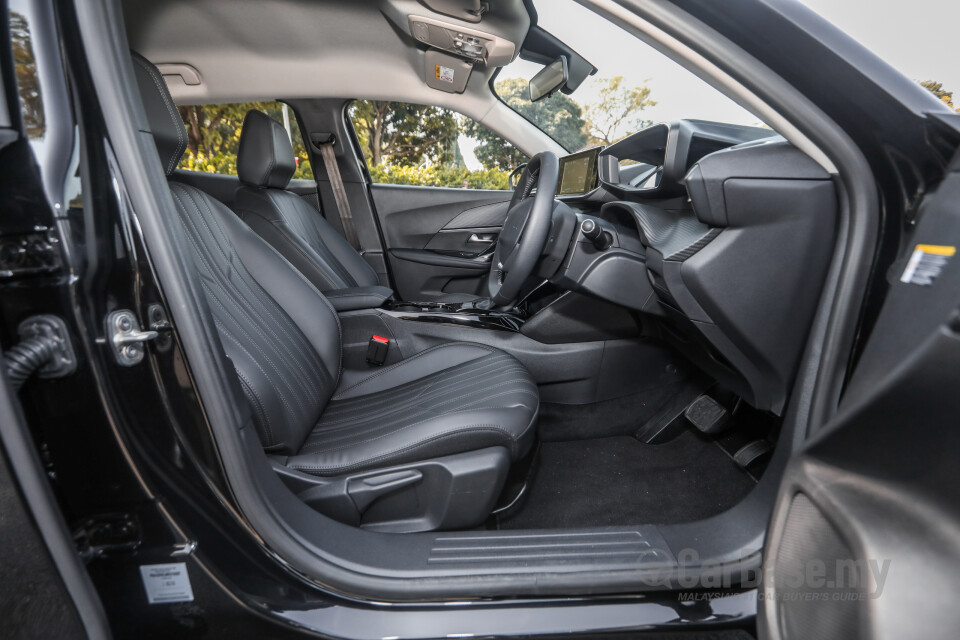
622,481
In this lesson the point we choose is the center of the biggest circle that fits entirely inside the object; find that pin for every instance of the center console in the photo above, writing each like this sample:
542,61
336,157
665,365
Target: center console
477,314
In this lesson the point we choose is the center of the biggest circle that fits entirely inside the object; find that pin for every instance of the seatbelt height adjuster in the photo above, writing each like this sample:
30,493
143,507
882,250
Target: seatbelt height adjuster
377,350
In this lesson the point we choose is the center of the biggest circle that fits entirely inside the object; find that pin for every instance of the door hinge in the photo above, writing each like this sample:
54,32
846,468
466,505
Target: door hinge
126,338
107,533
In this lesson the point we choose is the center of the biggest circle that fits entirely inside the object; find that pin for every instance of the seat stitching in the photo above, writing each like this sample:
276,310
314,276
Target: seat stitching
405,405
323,269
260,406
414,357
278,321
291,214
469,429
171,110
417,391
396,430
396,403
216,274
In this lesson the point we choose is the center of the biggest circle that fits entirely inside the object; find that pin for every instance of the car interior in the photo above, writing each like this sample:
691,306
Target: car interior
589,368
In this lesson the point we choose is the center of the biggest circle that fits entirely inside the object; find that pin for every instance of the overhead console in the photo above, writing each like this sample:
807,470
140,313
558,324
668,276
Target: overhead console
462,41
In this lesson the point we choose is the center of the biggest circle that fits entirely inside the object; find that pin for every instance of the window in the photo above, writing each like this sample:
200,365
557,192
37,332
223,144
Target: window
213,136
634,86
428,146
28,80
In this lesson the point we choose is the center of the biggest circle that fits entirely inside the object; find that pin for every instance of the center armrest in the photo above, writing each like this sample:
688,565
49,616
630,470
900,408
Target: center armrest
356,298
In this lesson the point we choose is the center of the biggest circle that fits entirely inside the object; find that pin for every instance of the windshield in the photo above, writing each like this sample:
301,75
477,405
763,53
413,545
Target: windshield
634,85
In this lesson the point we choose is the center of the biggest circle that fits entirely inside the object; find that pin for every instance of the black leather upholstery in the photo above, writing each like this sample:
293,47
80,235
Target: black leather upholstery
265,157
448,399
283,338
303,237
358,297
265,162
281,335
166,125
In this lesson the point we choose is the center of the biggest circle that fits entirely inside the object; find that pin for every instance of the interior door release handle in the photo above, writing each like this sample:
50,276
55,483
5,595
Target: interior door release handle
482,237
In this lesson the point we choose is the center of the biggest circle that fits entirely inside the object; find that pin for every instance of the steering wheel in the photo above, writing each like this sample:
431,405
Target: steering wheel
525,229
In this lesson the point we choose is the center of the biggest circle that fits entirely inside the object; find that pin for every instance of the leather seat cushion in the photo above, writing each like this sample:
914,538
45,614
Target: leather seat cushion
448,399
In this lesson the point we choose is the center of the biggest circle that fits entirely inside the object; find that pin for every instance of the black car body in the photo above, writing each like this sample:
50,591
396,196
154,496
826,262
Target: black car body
111,470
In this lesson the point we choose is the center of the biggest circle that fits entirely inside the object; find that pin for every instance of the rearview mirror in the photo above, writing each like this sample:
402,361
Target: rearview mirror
551,78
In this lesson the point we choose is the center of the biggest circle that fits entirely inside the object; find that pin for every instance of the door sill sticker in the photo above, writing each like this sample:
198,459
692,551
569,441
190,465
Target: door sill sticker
166,583
926,263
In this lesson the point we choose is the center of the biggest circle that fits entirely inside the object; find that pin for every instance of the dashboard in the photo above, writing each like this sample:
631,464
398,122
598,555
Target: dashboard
717,235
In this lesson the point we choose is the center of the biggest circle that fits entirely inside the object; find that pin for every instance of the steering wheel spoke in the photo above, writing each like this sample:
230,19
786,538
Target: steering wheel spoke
525,229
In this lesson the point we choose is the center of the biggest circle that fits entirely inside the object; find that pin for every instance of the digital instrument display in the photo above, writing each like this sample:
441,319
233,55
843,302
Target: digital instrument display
578,172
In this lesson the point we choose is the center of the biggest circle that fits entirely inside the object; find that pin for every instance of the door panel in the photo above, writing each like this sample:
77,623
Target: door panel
863,539
439,240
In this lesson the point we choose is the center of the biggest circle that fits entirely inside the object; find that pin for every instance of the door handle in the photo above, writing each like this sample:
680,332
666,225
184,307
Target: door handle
482,237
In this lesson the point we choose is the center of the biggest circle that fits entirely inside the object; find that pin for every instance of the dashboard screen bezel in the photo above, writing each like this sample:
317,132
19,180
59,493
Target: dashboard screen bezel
593,178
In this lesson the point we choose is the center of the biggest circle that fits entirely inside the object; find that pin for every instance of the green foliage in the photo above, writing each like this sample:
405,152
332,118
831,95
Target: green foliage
558,116
213,136
28,86
617,113
936,88
419,145
439,176
414,144
404,134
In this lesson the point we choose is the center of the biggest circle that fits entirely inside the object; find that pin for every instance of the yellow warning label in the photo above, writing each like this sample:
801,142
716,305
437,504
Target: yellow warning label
926,263
443,74
936,249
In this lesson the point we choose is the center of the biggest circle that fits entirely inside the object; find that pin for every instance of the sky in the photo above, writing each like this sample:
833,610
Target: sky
918,39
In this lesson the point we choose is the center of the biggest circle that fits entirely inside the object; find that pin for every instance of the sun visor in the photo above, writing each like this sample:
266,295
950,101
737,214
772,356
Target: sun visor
445,72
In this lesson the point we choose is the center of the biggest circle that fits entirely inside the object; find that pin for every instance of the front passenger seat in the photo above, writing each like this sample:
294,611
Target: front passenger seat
422,444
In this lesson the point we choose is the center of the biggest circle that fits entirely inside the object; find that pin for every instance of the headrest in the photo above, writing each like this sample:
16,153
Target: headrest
165,122
265,157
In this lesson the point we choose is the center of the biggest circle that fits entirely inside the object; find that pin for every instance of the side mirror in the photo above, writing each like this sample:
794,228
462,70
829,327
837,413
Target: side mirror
551,78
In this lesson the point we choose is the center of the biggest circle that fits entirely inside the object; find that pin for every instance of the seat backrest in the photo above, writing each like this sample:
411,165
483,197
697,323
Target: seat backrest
280,333
265,163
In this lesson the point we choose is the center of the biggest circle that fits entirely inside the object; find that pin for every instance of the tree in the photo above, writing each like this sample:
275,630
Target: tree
213,136
404,134
558,116
617,111
31,100
215,128
936,88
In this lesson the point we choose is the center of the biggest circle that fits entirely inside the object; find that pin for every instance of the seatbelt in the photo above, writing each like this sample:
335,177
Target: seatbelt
325,142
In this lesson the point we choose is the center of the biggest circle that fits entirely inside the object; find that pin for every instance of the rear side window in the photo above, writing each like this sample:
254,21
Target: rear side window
428,146
213,136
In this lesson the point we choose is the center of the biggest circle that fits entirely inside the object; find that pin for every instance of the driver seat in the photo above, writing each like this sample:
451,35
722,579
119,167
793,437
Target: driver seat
265,164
